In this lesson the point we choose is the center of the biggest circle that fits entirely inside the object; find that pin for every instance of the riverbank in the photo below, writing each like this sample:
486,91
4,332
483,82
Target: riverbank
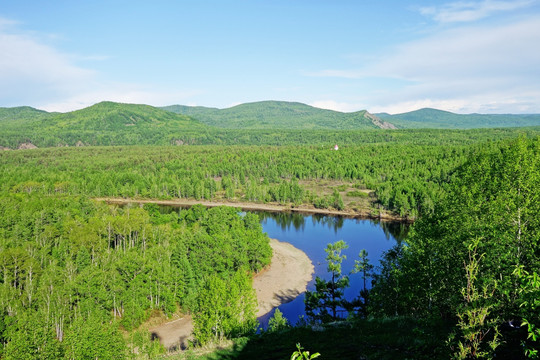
287,277
283,280
273,207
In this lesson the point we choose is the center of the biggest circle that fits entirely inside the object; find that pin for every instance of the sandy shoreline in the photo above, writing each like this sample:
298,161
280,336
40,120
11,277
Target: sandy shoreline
286,278
282,281
303,209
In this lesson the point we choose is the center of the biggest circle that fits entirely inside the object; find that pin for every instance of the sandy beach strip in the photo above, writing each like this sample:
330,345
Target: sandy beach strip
287,277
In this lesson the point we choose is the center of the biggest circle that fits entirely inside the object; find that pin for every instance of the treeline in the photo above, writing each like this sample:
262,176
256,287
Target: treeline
61,135
406,179
74,274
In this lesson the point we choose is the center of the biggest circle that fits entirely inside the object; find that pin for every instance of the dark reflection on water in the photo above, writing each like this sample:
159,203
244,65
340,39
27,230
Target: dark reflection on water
392,229
298,220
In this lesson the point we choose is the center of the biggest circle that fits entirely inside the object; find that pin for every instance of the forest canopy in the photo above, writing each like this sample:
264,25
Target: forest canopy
74,272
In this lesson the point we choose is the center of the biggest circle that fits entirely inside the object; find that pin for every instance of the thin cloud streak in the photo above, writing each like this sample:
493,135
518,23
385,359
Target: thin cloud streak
466,11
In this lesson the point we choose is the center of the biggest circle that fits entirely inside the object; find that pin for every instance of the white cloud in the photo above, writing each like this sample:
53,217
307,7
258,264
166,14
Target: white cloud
337,106
123,93
35,74
7,23
464,11
462,68
30,70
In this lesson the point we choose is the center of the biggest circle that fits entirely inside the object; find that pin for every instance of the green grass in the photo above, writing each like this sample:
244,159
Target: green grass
357,193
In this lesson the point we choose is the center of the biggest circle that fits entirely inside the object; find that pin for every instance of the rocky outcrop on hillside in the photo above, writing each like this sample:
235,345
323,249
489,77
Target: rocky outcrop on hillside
379,122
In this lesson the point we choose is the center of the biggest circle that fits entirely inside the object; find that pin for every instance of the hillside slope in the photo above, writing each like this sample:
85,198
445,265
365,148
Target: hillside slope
280,115
438,119
105,123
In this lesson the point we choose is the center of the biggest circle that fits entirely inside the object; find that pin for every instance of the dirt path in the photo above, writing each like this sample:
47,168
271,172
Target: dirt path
285,278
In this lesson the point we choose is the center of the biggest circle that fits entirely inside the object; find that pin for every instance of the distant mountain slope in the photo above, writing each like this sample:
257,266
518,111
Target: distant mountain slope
438,119
21,112
280,115
106,123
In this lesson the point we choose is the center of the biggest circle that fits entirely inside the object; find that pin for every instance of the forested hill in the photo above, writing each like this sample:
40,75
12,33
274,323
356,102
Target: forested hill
21,112
105,123
263,123
280,115
438,119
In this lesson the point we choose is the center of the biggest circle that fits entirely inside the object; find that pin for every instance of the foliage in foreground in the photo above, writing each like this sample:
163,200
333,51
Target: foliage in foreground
471,260
381,339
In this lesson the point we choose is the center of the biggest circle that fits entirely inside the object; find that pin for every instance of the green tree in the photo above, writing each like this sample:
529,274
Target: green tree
225,308
91,339
477,325
365,268
277,322
326,302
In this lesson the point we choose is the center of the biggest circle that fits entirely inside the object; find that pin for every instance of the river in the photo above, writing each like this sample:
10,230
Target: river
311,234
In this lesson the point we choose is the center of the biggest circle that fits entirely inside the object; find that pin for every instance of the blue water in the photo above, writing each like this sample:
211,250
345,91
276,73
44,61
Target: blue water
312,233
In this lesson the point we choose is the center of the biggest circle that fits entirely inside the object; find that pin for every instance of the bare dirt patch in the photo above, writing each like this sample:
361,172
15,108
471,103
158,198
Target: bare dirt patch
175,334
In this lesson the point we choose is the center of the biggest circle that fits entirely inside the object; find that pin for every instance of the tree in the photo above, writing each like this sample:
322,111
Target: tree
225,307
277,322
337,201
326,302
476,323
91,339
364,267
492,197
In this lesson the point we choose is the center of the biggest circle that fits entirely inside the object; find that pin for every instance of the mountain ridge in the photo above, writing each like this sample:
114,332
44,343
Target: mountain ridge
272,114
271,122
442,119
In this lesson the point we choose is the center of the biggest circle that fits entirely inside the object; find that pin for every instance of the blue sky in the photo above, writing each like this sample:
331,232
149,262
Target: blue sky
392,56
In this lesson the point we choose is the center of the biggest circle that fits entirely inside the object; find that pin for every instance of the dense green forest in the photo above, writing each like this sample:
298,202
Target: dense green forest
404,180
76,275
438,119
476,258
114,124
464,284
279,115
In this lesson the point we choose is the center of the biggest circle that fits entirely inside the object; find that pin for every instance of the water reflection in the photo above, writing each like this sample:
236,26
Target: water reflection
286,221
311,234
298,220
395,229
